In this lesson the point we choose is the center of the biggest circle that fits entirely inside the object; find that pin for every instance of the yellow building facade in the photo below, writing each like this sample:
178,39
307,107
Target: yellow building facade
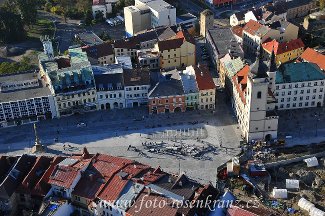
284,52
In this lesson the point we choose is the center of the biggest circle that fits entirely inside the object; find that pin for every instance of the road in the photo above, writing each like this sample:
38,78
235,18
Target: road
192,7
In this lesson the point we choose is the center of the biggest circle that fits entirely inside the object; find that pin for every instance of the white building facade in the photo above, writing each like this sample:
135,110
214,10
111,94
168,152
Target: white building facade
299,85
25,98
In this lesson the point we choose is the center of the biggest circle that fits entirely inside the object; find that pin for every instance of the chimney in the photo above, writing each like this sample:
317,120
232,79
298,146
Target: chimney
180,183
133,188
169,179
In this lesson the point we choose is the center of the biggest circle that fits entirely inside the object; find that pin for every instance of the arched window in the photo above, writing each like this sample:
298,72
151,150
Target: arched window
259,94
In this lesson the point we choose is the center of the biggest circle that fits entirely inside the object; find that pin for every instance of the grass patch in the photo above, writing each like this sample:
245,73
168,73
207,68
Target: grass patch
42,27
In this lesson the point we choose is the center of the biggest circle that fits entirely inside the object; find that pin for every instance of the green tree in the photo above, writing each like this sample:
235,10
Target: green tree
66,6
27,10
11,26
14,67
48,6
83,5
321,4
99,16
88,17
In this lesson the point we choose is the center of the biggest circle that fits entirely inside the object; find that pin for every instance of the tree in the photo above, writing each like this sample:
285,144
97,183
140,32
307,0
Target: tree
321,4
66,6
48,6
99,16
11,26
83,5
27,10
88,18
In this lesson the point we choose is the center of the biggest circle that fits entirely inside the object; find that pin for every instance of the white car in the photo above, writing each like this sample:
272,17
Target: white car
109,22
81,124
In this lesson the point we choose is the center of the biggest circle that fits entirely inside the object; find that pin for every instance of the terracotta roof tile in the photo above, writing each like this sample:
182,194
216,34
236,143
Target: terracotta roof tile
237,30
280,48
113,189
41,165
203,78
170,44
240,81
311,55
145,197
102,169
63,176
236,211
43,186
100,50
186,36
252,26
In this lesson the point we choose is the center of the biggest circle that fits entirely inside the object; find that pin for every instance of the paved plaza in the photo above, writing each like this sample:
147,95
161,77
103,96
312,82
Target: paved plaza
114,132
194,142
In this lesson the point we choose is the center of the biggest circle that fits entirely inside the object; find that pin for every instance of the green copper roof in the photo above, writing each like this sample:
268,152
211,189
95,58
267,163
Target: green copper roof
77,56
233,66
298,72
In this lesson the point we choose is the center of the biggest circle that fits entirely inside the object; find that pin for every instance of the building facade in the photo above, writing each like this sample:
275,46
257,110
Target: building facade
147,14
109,86
148,59
191,90
25,98
206,21
284,52
167,97
100,54
299,8
206,87
299,85
255,34
137,84
253,102
177,52
71,81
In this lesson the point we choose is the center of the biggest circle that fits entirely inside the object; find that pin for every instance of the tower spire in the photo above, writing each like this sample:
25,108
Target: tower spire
272,65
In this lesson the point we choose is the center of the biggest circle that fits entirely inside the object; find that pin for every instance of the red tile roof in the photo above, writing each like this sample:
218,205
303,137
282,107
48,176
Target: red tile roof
152,176
311,55
113,189
102,170
252,26
280,48
99,50
41,165
43,186
109,165
236,211
89,185
240,81
185,36
170,44
145,197
63,176
135,169
203,78
237,30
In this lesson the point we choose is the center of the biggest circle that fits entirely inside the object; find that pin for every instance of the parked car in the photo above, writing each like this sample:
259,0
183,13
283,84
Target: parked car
109,22
116,21
81,124
120,18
